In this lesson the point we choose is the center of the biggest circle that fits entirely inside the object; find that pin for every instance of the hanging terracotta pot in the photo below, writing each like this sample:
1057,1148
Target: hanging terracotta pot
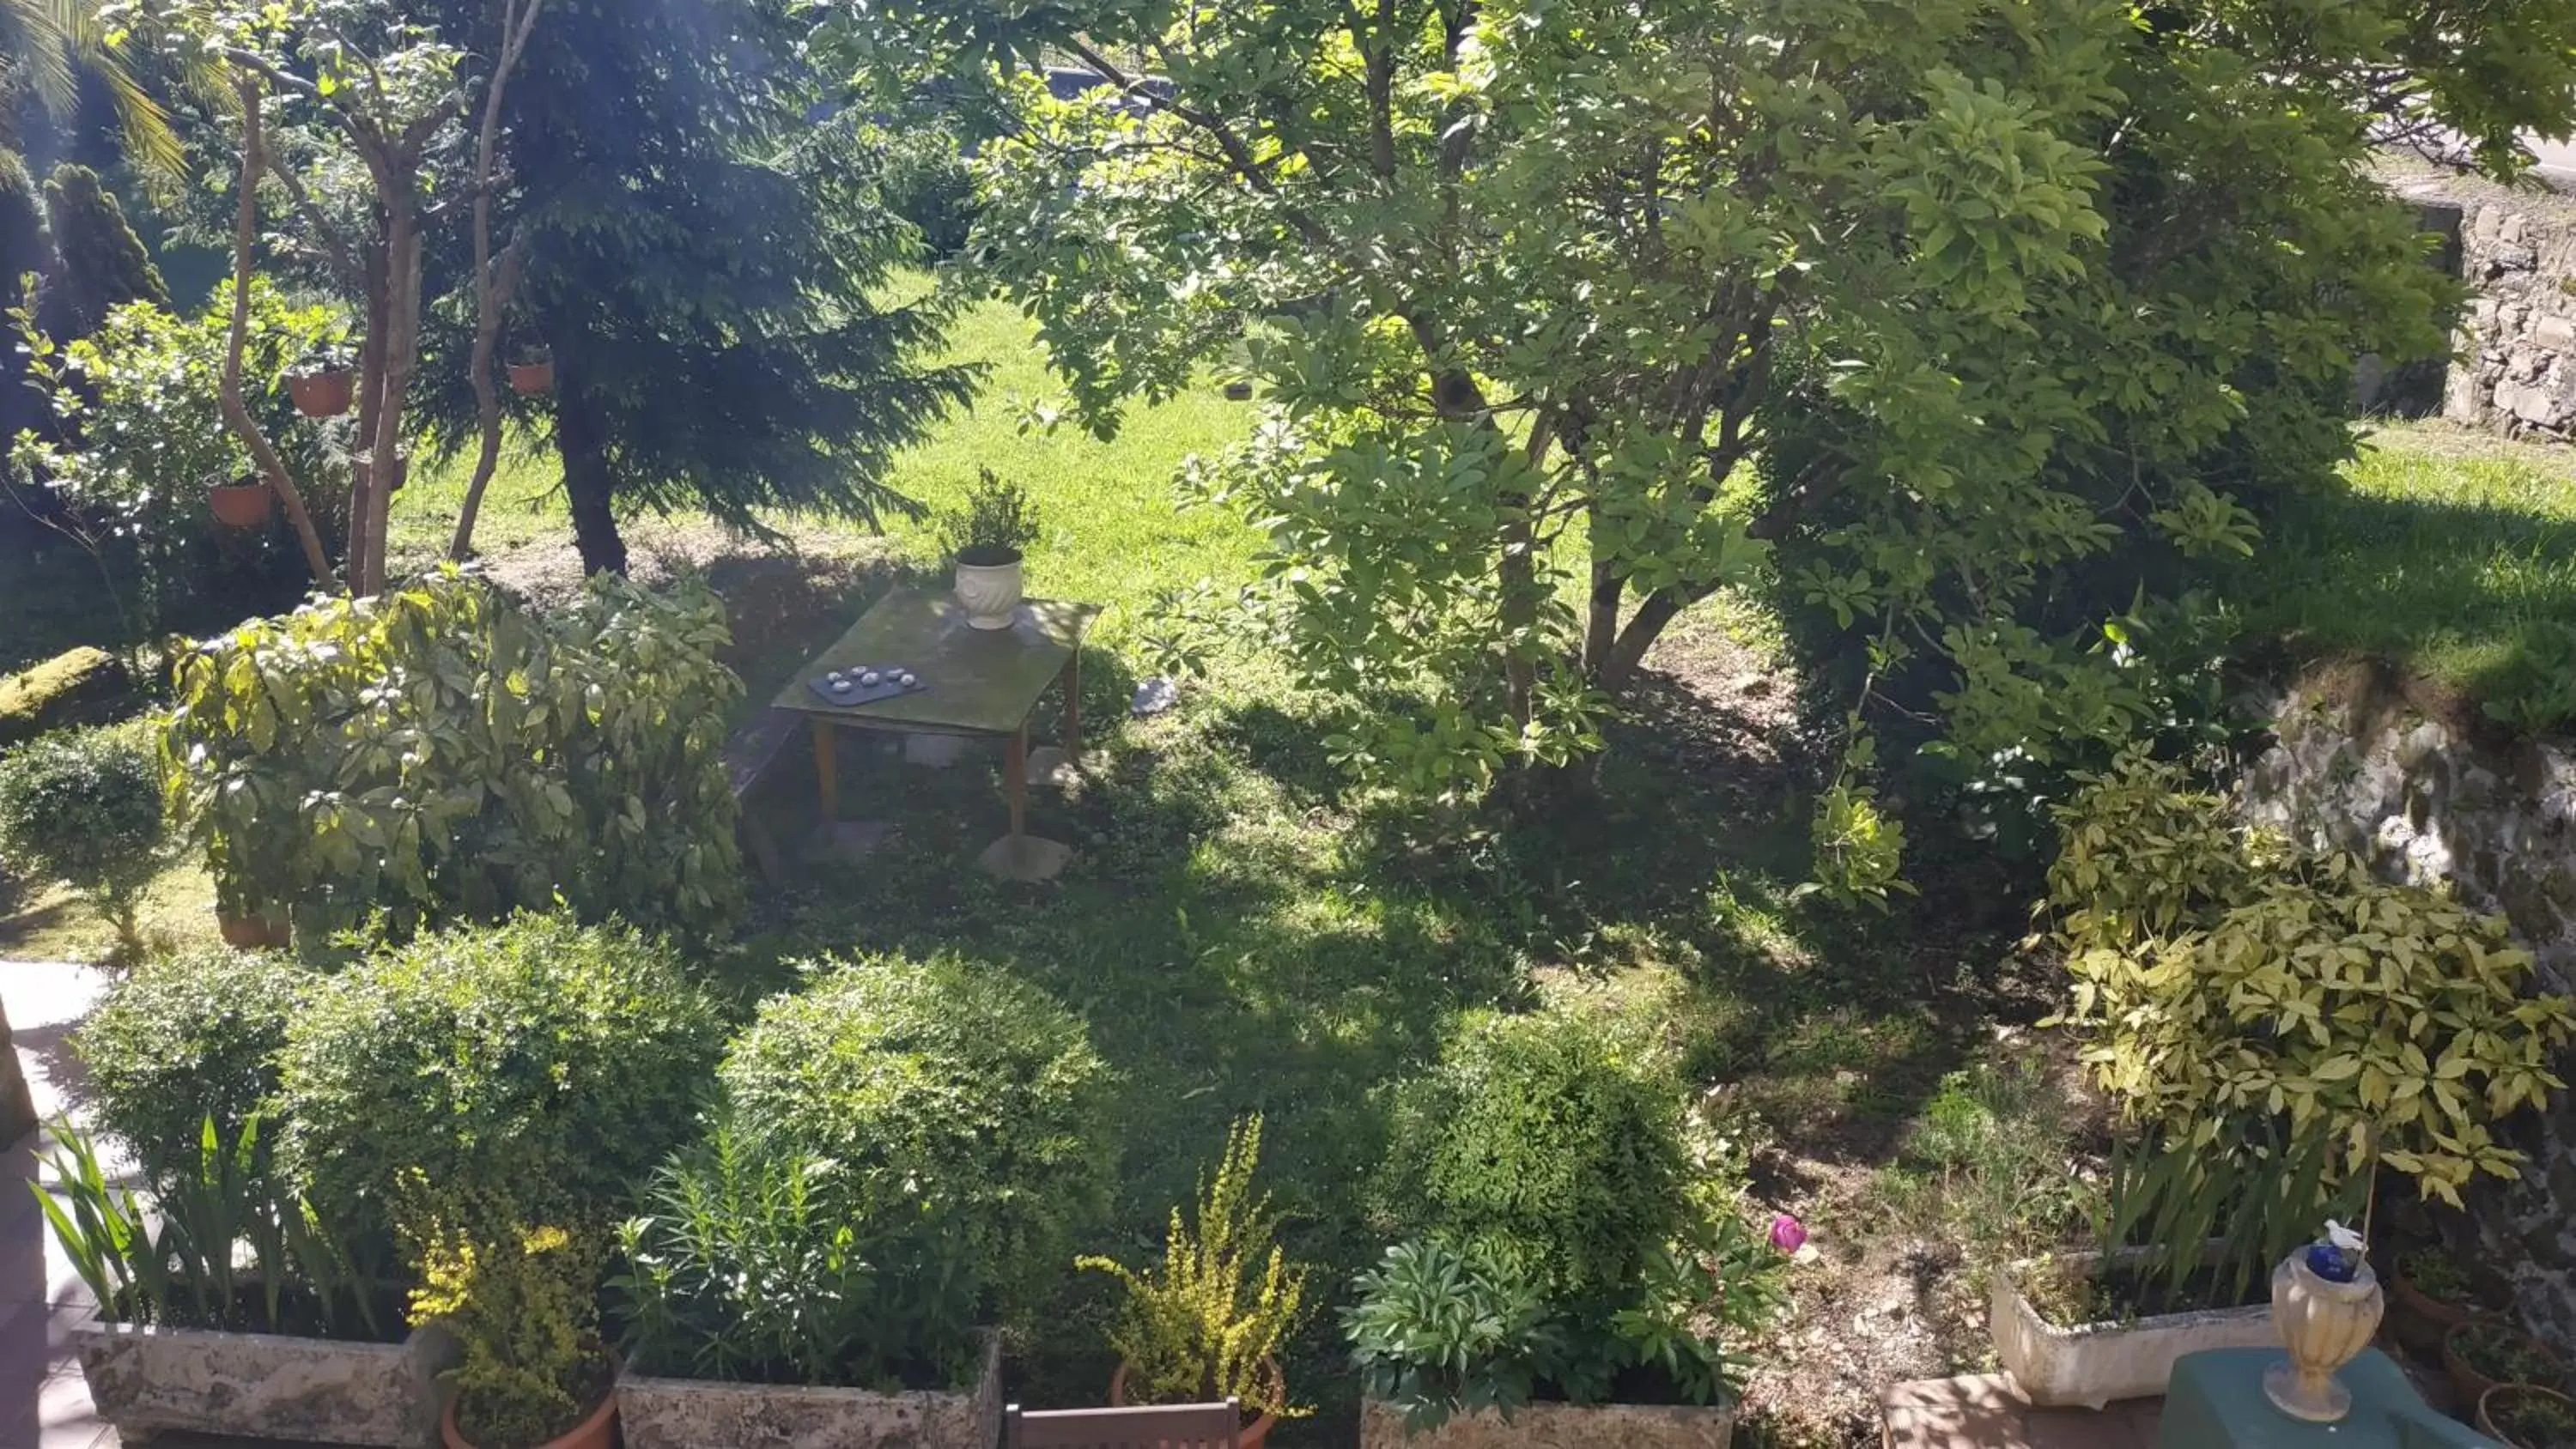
533,379
246,502
323,394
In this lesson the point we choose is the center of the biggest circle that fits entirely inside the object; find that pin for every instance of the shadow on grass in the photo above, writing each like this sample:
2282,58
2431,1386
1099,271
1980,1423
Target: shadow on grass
2461,569
1238,939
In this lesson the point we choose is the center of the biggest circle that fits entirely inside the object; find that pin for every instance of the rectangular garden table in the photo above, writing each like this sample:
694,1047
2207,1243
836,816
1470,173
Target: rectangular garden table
982,684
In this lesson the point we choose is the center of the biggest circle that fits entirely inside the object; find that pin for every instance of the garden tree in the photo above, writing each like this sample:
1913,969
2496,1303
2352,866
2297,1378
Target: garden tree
1985,286
697,240
47,46
25,253
367,149
102,261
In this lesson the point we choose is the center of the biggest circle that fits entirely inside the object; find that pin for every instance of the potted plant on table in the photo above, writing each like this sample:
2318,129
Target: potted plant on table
2528,1416
1208,1324
985,539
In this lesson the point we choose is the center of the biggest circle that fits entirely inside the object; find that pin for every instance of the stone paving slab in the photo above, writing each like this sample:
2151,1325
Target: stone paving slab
1987,1411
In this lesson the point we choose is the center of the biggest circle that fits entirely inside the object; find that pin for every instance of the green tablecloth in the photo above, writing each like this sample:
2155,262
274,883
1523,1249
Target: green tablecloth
2215,1401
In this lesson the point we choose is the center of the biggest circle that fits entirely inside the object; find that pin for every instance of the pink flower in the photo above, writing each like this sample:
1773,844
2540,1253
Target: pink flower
1788,1234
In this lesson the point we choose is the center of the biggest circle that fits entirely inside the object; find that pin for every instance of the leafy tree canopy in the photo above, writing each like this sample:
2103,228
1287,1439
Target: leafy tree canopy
1567,309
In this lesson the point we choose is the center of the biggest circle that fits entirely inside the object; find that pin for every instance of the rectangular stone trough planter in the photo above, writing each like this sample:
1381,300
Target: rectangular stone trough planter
658,1413
265,1385
1558,1426
2098,1363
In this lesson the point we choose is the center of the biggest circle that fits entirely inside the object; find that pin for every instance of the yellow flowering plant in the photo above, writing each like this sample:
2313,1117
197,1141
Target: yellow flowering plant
1209,1323
522,1301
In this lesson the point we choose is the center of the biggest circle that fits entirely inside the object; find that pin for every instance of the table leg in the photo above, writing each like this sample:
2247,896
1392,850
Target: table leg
1016,773
1073,709
827,778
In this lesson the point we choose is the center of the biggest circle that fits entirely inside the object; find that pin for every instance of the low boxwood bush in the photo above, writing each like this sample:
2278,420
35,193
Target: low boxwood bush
187,1037
84,807
1548,1143
965,1113
561,1058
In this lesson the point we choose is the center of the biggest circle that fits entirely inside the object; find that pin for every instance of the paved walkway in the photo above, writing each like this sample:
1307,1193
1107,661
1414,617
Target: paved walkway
1985,1411
43,1402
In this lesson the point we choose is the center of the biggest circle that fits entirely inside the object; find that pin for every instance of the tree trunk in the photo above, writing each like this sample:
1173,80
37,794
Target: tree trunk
493,282
402,349
236,413
587,481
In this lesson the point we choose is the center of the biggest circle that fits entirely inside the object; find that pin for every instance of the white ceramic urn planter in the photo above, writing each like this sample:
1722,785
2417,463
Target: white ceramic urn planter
988,586
1558,1426
265,1385
2097,1363
659,1413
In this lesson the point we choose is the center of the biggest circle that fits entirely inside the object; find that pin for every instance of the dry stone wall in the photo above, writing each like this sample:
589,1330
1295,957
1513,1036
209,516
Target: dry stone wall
2515,368
2359,763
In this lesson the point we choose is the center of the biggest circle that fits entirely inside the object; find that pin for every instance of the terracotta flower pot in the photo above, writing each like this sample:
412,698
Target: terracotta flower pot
2419,1319
2493,1400
253,933
597,1430
2471,1383
243,504
323,394
532,379
1255,1434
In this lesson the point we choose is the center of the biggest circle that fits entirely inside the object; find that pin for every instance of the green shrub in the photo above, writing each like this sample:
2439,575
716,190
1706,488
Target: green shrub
964,1107
185,1038
438,752
103,261
926,181
523,1302
750,1263
1549,1145
560,1058
2277,1028
84,807
136,433
81,686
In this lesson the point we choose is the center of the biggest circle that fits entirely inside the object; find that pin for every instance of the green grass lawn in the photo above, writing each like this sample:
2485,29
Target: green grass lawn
2443,552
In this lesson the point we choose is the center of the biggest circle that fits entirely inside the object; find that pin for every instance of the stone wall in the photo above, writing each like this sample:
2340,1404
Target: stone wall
2369,762
2515,371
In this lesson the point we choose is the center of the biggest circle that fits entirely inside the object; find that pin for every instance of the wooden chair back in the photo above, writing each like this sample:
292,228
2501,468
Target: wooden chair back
1157,1426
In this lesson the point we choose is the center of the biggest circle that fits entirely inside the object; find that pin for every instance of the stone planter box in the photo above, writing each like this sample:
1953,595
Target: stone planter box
661,1413
1558,1426
265,1385
2099,1362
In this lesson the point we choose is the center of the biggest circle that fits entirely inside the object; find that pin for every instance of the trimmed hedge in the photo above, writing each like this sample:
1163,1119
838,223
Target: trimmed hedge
555,1061
187,1037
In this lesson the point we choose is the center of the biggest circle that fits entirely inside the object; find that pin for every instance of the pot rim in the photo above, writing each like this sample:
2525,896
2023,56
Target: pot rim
600,1413
983,557
2486,1420
2010,1278
94,1324
1262,1425
2498,1320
